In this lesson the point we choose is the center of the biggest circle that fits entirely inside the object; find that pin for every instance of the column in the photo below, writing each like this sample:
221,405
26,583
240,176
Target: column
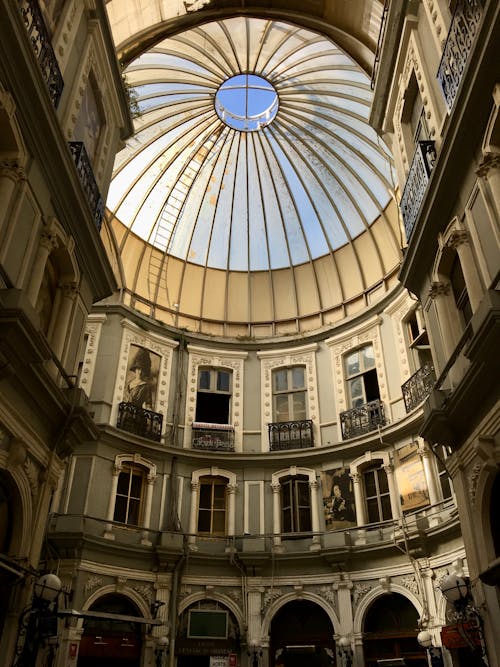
231,509
430,476
459,241
147,509
276,488
10,175
108,533
345,611
449,323
254,621
195,493
313,485
489,172
61,317
358,499
395,504
46,244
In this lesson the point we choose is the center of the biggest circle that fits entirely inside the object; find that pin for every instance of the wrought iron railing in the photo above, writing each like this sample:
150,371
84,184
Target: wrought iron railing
418,387
40,40
139,421
363,419
291,435
215,437
416,183
463,28
88,181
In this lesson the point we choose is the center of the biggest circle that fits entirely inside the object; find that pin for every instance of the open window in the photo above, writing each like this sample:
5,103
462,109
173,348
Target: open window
213,397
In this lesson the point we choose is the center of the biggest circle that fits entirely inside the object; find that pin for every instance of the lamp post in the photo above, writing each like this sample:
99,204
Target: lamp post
38,622
345,651
465,614
254,653
161,650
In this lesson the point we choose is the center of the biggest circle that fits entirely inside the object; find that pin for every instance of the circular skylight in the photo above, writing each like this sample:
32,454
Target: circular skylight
246,102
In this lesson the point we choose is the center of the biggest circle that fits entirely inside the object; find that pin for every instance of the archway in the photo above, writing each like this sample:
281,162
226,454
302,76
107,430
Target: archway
112,640
390,631
301,634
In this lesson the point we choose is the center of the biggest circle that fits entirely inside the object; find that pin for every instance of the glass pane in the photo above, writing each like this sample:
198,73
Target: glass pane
133,512
223,381
383,483
298,377
281,408
205,496
286,516
123,481
204,380
385,501
370,487
285,495
303,494
352,363
204,521
368,357
304,519
136,485
120,509
219,496
219,522
356,388
372,507
299,405
280,380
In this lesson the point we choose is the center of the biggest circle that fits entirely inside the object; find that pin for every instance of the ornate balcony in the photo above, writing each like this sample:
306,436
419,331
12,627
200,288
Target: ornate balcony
40,40
216,437
139,421
464,25
364,419
416,183
418,387
291,435
88,181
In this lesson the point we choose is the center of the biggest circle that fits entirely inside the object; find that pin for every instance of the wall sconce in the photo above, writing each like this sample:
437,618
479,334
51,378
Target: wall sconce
38,622
345,651
161,650
424,638
254,653
465,614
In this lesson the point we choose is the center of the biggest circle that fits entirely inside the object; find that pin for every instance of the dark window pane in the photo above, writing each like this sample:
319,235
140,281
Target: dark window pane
136,486
285,495
219,522
205,380
120,509
371,385
304,519
205,496
303,493
370,487
133,512
386,508
222,381
372,507
383,484
123,483
287,521
204,521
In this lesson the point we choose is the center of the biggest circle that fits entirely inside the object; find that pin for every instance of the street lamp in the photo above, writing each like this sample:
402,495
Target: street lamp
38,622
465,614
160,650
254,653
424,638
345,651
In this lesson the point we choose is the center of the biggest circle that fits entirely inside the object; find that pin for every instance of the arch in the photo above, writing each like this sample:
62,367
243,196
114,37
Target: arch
22,529
275,606
377,592
293,471
116,589
216,597
137,459
214,471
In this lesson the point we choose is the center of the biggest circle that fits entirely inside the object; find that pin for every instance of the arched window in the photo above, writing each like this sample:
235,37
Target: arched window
361,376
295,504
377,494
212,506
129,495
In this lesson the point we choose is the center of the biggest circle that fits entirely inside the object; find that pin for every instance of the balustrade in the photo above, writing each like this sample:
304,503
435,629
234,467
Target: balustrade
291,435
418,387
87,179
416,184
139,421
362,419
217,437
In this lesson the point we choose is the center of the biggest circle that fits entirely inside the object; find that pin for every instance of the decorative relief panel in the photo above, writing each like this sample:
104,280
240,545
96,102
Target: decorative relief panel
93,332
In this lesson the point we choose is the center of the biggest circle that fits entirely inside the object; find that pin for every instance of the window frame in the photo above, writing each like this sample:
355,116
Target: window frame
213,481
294,507
350,378
379,495
290,392
130,468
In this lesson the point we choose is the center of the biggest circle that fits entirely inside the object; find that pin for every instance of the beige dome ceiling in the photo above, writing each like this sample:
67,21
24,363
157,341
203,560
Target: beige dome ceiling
254,198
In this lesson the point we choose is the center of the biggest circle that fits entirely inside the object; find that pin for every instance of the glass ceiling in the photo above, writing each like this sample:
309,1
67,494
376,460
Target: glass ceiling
215,179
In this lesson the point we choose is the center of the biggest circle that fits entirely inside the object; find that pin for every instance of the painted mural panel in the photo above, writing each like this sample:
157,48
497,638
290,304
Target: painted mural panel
338,499
142,377
411,480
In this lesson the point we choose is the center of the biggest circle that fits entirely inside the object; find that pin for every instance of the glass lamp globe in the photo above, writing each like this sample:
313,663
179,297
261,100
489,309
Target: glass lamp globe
454,588
162,642
48,587
424,638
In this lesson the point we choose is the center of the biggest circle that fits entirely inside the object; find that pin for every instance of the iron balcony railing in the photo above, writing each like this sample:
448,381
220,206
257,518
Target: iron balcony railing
463,29
87,179
139,421
418,387
40,41
291,435
416,183
215,437
362,419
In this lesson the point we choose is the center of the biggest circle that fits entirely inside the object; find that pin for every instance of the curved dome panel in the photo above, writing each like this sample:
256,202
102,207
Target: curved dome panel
252,153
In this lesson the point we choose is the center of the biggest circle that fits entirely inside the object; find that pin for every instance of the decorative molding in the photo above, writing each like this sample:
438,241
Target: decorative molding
358,592
473,480
93,331
411,584
92,582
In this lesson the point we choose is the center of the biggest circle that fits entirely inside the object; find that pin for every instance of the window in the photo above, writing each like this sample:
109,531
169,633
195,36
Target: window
129,495
361,377
377,496
459,290
289,394
213,398
442,452
212,506
295,504
418,340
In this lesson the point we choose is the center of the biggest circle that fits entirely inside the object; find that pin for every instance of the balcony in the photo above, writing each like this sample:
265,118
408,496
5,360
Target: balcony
88,181
146,423
363,419
416,184
40,40
291,435
211,436
418,387
461,36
